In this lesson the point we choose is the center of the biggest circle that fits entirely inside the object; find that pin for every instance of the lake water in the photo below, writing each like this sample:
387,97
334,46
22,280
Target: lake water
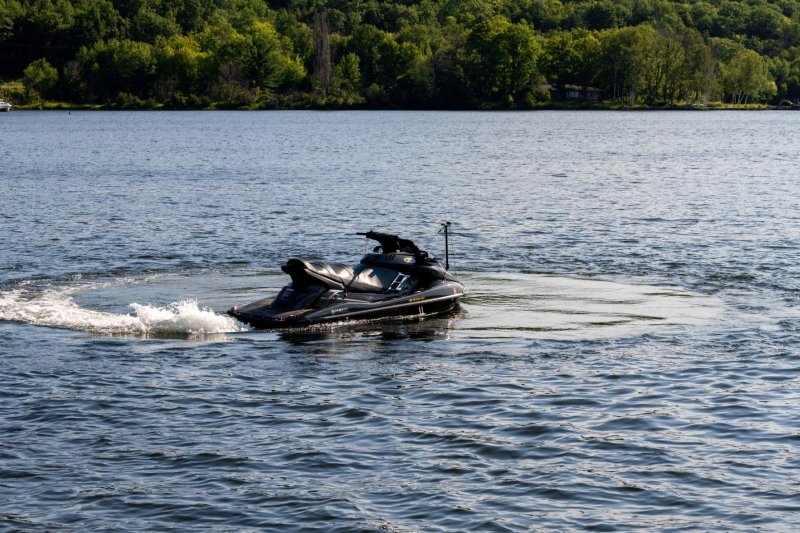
627,358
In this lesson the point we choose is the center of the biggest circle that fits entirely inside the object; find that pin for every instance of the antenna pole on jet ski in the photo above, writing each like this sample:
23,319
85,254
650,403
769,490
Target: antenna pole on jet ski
446,227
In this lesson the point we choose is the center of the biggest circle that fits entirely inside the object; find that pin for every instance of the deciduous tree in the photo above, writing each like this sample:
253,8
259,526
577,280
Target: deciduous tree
39,77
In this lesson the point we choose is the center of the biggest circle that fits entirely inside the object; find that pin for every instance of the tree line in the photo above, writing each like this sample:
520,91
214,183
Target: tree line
461,54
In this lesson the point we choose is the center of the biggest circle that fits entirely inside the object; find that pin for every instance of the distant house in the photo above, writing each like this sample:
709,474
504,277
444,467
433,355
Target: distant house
573,92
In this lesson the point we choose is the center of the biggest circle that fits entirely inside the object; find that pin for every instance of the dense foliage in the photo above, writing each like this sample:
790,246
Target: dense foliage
405,53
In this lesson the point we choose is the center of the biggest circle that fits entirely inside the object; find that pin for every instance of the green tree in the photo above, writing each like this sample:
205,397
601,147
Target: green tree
746,77
10,11
724,49
369,44
148,25
300,35
503,57
180,64
765,22
270,62
663,74
703,72
118,66
50,18
700,16
96,20
569,57
228,53
450,86
544,15
470,12
38,78
601,14
732,19
43,28
189,14
786,72
621,60
345,87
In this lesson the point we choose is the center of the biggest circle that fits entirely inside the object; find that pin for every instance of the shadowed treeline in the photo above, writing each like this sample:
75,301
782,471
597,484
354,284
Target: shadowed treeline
500,54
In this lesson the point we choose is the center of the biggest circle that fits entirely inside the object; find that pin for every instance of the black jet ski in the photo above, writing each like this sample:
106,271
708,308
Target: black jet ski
395,279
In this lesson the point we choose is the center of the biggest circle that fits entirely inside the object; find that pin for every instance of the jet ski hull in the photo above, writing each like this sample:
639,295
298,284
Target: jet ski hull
438,300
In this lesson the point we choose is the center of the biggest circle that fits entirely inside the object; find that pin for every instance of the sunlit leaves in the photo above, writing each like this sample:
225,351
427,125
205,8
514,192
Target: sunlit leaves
569,57
116,66
39,77
504,57
745,77
410,53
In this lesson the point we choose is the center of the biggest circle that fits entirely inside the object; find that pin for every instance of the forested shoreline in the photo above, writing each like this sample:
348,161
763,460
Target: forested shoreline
413,54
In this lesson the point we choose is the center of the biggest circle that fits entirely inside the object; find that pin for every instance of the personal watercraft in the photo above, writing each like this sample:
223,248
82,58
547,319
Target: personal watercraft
396,279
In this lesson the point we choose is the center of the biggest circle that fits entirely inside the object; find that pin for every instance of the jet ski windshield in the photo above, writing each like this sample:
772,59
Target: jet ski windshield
392,243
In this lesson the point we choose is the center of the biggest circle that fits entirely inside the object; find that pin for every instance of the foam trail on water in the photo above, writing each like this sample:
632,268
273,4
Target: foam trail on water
185,317
57,309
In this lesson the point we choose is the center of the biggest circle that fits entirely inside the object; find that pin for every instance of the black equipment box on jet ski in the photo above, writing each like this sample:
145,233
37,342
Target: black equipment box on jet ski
396,279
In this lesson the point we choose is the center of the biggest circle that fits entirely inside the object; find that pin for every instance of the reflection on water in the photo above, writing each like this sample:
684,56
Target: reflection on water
398,329
517,305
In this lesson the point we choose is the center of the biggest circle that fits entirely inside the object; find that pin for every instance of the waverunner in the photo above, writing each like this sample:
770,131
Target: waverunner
396,279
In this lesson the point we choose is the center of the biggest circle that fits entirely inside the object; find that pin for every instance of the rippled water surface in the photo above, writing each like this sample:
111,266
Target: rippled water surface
626,359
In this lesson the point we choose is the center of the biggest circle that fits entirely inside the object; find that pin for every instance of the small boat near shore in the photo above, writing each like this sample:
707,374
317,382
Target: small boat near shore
396,279
4,106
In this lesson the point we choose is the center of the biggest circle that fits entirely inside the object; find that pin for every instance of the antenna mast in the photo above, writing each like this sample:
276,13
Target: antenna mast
446,228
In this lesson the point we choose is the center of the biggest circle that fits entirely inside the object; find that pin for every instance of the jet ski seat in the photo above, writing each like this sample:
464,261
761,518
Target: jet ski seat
338,276
334,276
372,279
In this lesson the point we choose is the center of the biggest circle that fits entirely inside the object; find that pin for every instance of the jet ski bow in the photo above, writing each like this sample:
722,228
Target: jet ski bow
396,279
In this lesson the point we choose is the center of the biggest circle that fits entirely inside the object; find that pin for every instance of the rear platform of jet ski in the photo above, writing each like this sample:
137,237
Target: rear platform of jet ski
397,279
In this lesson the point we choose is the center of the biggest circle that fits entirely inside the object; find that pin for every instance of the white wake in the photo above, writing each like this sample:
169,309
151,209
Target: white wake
56,308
